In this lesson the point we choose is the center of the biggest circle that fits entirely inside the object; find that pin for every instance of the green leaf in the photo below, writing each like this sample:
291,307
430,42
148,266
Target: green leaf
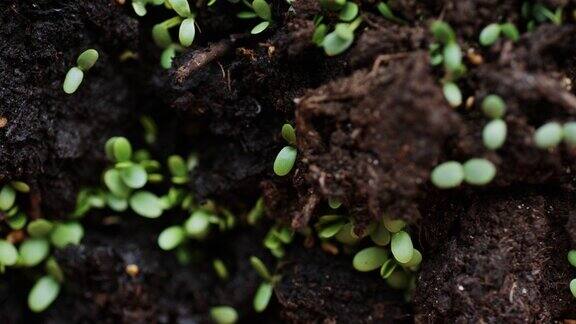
401,247
387,268
20,186
43,293
121,149
181,7
262,297
87,59
114,183
380,236
187,32
452,94
39,227
288,134
53,269
260,27
161,36
198,225
452,56
335,44
18,221
246,15
33,251
370,258
261,268
167,56
349,12
490,34
67,233
510,31
146,204
262,9
223,315
177,166
285,160
134,176
443,32
116,203
171,237
7,197
8,253
256,212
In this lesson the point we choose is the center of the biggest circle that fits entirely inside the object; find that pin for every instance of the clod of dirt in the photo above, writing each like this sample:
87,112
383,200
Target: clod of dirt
321,288
502,265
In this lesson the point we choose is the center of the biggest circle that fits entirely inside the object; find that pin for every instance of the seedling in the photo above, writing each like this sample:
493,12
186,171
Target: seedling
75,75
264,291
494,134
447,175
276,238
401,246
285,160
452,94
258,9
491,33
493,106
223,315
479,172
548,135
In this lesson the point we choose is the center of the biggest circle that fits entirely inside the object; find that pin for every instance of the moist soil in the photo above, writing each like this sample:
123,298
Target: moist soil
371,124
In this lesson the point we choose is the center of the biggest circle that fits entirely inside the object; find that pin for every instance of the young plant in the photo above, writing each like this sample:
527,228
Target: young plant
75,75
491,33
266,288
287,157
258,9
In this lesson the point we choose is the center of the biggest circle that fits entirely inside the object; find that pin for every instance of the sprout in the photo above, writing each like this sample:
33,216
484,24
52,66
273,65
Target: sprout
570,133
73,80
442,32
289,134
198,225
223,315
187,32
380,236
256,212
452,94
370,258
285,161
262,297
479,172
8,253
43,293
401,246
548,135
134,176
349,12
571,257
87,59
452,56
33,251
67,233
447,175
490,34
39,227
387,268
146,204
171,237
493,106
494,134
220,268
7,197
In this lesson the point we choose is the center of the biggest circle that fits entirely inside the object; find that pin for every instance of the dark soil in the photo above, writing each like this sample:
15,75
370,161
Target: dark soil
371,125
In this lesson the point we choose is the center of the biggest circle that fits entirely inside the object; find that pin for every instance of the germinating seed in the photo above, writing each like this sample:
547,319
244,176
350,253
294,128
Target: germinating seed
187,32
285,161
447,175
490,34
494,134
452,94
262,297
493,106
548,135
43,293
401,246
570,133
146,204
33,251
223,315
370,259
479,172
87,59
572,257
73,80
171,237
452,56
